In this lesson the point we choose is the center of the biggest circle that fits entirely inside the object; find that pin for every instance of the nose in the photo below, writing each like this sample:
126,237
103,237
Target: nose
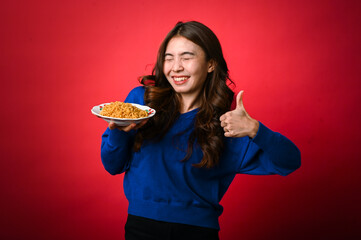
177,66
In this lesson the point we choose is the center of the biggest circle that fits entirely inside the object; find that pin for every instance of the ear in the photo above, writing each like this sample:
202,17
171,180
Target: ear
211,65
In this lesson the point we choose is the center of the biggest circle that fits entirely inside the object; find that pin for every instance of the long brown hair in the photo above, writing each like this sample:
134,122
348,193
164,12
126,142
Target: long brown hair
215,97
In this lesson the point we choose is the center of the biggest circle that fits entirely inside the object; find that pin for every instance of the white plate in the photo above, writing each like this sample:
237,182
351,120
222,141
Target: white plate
123,121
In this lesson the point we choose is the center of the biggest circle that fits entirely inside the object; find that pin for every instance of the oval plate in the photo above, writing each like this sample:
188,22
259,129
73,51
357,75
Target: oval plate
123,121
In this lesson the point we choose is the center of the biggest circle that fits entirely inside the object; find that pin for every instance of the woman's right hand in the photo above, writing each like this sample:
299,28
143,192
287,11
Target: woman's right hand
132,126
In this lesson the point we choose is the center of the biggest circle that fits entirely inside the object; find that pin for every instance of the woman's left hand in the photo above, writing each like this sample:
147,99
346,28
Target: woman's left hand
238,123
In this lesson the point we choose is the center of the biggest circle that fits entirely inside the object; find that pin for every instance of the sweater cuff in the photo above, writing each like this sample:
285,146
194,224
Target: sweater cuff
117,137
263,136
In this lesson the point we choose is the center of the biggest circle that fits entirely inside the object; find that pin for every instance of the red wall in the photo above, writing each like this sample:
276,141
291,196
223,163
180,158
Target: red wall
298,62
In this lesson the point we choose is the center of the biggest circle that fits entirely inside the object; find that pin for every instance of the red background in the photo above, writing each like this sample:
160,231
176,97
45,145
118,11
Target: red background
298,62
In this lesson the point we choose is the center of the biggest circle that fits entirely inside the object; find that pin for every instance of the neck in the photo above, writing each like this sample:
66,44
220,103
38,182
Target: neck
188,103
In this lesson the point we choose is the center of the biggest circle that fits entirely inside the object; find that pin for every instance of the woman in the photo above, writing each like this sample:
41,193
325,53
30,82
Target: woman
179,164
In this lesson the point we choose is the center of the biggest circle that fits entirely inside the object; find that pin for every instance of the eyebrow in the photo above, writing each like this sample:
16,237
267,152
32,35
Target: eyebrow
182,54
187,53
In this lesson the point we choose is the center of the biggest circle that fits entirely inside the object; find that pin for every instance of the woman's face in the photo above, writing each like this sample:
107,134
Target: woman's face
185,66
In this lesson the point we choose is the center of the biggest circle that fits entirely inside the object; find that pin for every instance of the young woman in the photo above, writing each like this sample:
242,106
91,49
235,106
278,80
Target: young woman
179,164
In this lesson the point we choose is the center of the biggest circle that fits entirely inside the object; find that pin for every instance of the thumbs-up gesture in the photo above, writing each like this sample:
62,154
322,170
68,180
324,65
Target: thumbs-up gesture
238,123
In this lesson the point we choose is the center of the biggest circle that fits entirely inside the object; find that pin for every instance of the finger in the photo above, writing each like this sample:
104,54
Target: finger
128,128
222,118
228,134
240,100
223,124
112,126
141,124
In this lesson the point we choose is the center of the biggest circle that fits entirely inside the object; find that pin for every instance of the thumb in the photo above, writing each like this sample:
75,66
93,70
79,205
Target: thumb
240,100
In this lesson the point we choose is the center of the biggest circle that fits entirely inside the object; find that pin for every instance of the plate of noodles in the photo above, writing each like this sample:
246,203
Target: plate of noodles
123,114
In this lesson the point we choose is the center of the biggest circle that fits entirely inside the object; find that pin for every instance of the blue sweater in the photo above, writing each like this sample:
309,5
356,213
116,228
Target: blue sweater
161,187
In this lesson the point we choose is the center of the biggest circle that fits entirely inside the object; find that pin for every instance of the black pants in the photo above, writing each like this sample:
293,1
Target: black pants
139,228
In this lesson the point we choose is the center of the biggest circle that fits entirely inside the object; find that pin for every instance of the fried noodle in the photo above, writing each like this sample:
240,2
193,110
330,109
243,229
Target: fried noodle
122,110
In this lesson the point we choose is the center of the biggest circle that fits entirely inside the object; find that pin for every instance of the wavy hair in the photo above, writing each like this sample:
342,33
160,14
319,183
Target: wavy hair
215,97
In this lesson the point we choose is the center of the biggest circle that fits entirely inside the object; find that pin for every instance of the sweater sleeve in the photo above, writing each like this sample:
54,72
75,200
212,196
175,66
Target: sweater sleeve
116,146
269,153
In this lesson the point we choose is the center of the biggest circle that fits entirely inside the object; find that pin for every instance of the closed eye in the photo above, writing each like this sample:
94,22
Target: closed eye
168,56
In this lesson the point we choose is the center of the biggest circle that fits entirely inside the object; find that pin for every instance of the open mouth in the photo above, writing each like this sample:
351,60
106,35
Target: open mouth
180,79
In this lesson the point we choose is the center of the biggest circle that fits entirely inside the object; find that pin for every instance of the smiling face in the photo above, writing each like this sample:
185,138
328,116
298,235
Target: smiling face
185,67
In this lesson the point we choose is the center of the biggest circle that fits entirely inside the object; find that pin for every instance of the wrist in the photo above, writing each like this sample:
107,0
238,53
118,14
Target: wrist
254,128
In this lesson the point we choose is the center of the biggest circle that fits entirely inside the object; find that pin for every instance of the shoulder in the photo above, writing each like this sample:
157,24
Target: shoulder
137,91
136,95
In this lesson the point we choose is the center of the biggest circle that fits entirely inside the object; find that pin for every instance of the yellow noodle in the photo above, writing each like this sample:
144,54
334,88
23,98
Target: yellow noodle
122,110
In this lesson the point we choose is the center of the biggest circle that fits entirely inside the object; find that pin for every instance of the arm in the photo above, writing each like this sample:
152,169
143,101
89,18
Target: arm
116,146
269,153
116,150
257,149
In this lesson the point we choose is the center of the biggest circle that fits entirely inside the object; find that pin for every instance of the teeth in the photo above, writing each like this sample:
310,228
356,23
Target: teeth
178,79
